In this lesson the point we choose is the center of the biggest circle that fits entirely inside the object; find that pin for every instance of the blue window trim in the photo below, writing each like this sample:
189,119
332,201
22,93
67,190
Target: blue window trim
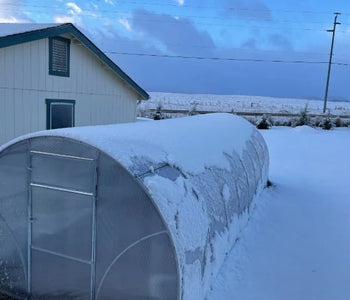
57,73
48,110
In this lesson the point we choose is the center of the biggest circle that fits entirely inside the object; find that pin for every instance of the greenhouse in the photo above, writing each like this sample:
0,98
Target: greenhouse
144,210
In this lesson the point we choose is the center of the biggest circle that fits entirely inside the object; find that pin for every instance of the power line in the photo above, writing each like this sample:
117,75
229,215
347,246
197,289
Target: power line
119,12
228,8
203,23
219,58
215,48
226,58
93,14
229,48
215,24
175,21
138,3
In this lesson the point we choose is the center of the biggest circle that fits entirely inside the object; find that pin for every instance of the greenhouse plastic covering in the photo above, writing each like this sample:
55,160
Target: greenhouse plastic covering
143,210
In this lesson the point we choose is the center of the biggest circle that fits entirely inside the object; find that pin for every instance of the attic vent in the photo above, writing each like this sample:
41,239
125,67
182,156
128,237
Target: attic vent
59,56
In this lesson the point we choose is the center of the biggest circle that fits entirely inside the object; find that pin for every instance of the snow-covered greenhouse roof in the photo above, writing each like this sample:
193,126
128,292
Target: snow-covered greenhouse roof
182,185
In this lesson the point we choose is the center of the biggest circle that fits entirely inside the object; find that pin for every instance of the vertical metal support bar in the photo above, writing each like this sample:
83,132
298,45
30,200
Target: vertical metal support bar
94,233
30,218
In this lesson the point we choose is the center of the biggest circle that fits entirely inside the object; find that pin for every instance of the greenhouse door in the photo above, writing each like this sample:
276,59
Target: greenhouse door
61,231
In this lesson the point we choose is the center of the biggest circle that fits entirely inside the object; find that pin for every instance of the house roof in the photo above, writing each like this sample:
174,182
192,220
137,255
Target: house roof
13,34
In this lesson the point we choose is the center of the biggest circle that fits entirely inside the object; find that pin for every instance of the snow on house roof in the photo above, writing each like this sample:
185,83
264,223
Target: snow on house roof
7,29
18,33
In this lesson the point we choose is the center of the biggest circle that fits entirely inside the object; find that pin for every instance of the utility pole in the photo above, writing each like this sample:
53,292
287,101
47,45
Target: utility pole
330,58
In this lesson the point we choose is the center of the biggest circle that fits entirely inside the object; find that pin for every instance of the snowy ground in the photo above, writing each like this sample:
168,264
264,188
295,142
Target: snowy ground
297,242
239,103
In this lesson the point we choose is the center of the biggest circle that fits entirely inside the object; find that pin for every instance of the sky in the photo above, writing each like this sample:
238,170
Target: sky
211,46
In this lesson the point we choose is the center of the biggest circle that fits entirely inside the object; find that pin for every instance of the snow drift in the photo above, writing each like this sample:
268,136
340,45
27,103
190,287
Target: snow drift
200,174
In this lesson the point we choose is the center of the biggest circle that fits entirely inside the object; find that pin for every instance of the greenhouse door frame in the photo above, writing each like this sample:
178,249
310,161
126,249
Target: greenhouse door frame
31,218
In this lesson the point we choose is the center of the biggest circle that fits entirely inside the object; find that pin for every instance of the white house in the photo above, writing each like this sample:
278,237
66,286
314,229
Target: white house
53,76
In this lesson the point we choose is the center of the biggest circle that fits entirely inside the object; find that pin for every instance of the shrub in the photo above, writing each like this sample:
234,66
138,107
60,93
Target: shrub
287,123
264,123
317,122
338,122
327,123
304,118
193,110
159,112
270,121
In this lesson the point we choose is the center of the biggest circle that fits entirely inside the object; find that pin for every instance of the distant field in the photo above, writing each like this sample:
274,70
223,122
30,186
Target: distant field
253,106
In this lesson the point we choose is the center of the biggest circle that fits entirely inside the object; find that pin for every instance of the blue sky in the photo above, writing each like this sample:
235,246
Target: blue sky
235,31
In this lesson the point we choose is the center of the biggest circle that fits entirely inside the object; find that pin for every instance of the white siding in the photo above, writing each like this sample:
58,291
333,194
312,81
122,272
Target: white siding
101,96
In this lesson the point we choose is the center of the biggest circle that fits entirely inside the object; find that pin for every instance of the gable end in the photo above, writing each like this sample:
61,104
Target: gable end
54,31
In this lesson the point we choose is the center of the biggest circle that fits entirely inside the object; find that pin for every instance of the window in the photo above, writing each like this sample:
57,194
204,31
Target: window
59,56
60,113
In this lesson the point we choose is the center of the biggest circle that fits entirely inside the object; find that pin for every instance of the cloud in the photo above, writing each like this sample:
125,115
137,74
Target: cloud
176,34
64,19
250,44
180,2
248,9
125,23
74,9
109,2
218,76
12,12
280,41
73,15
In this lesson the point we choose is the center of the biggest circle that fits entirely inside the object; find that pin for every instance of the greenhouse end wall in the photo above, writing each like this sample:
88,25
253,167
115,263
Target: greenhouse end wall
74,224
135,211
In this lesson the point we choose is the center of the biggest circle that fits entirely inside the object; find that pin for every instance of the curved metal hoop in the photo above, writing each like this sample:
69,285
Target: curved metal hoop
122,253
